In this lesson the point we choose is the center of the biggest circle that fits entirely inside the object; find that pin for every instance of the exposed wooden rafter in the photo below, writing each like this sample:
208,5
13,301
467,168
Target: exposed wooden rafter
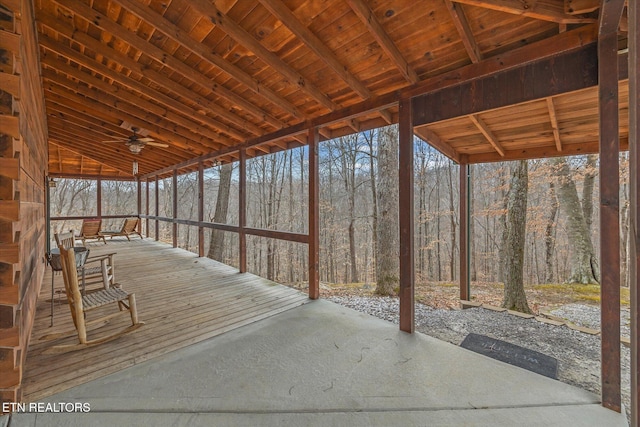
96,18
552,11
386,43
462,25
241,36
554,123
486,131
173,31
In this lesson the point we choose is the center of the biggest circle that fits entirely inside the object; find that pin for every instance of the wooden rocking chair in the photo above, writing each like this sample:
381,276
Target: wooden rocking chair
80,305
91,230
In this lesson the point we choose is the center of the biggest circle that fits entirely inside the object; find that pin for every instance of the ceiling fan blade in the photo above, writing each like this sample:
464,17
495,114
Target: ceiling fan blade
145,139
117,140
158,144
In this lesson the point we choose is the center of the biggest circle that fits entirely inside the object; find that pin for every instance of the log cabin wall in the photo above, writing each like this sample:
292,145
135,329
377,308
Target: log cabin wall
23,168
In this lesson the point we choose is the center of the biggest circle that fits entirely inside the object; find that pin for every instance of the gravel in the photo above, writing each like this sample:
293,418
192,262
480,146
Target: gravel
578,353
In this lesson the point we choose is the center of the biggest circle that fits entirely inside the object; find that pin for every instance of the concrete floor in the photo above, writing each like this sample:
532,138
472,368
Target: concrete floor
322,364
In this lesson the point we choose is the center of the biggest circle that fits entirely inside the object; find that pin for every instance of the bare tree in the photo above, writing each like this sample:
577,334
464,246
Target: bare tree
514,296
387,256
583,260
216,244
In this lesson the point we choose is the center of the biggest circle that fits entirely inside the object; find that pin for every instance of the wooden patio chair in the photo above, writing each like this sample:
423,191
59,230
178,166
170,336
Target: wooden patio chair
80,305
129,227
91,230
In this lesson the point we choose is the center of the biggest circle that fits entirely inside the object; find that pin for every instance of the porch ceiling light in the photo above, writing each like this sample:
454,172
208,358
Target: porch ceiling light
135,148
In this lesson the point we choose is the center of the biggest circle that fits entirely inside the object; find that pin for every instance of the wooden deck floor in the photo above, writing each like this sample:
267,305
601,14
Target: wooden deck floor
181,298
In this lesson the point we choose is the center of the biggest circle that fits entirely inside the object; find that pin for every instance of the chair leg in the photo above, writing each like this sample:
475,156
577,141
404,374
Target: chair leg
133,309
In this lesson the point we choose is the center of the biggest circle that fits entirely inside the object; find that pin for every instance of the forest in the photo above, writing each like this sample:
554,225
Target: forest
559,216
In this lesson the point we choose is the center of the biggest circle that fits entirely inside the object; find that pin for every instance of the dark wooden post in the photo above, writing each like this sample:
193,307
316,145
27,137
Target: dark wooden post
157,209
174,225
139,226
200,209
242,213
463,206
634,178
99,197
147,208
609,219
407,323
314,215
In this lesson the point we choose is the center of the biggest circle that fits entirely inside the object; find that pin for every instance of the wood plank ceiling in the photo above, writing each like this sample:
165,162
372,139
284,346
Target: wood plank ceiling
202,76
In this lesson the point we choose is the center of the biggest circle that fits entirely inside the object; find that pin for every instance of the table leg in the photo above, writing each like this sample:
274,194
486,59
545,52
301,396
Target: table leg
51,296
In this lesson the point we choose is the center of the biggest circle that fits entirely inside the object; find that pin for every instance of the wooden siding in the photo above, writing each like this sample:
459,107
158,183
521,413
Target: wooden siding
183,299
23,160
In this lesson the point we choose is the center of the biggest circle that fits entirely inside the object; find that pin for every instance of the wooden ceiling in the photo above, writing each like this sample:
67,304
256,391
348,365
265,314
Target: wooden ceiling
206,76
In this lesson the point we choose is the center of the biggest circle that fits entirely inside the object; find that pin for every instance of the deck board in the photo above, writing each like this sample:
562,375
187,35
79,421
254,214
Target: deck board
183,300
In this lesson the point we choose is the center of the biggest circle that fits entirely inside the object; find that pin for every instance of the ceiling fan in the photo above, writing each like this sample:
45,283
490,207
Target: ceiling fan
136,142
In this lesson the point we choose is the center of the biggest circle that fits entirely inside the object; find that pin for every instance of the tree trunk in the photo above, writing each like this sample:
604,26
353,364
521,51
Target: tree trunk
550,235
514,296
583,261
591,170
216,244
388,237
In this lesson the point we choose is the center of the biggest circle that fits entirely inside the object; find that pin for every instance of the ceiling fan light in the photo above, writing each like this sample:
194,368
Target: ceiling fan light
135,148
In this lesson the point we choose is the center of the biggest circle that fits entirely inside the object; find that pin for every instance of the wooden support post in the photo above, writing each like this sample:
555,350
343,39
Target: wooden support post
139,226
242,213
99,197
407,271
314,215
200,209
157,209
609,219
463,206
147,208
174,225
634,196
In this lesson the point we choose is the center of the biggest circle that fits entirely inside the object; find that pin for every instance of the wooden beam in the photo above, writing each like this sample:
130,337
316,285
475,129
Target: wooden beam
200,209
545,11
98,196
91,15
87,42
535,80
175,112
147,208
434,140
484,129
462,25
139,204
174,190
587,147
388,46
242,212
634,198
609,17
92,104
314,215
284,14
239,34
176,33
573,7
555,47
554,123
406,217
465,217
609,220
157,206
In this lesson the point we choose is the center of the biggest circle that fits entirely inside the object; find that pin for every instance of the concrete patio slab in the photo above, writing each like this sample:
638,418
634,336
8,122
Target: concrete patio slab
323,364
